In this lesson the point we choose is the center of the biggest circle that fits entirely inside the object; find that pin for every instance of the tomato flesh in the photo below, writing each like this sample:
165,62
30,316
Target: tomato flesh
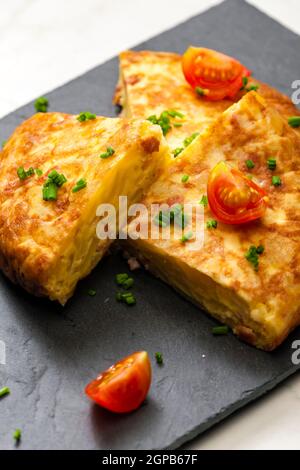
124,386
218,75
233,198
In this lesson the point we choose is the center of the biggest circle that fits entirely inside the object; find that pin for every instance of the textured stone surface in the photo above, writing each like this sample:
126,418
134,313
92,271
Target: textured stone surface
53,352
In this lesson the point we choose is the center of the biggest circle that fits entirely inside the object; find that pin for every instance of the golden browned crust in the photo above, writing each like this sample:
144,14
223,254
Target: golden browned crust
151,82
47,246
261,307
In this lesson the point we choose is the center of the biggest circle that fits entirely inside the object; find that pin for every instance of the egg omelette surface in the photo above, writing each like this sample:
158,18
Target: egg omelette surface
151,82
261,306
48,245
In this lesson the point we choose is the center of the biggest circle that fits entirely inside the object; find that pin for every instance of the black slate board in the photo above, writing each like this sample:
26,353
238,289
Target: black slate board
53,352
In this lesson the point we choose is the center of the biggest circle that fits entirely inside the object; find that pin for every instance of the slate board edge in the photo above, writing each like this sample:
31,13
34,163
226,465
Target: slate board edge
230,410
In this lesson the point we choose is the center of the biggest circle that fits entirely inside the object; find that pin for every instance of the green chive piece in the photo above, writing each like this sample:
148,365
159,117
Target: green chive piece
185,178
177,124
22,174
81,184
130,300
188,140
177,151
276,181
109,152
173,113
200,91
159,358
41,105
4,391
204,200
186,237
250,164
92,292
38,172
85,116
271,163
211,224
120,278
252,255
252,88
128,283
17,435
260,249
57,178
220,330
49,191
294,121
245,81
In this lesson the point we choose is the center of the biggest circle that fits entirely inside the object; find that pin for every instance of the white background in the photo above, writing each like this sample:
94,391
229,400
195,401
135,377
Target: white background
43,44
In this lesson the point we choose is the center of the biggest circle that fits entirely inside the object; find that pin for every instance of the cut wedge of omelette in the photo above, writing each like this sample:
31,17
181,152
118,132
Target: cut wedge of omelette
261,306
48,245
152,82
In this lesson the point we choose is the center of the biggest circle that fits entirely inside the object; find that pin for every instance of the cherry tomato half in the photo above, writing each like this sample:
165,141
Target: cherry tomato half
123,387
216,74
234,198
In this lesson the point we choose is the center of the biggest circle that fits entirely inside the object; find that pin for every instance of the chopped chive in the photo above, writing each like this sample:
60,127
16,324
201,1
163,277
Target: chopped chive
250,164
185,178
220,330
188,140
186,237
120,278
17,435
38,172
260,249
200,91
276,181
159,358
49,191
245,81
4,391
128,283
204,200
252,88
294,121
85,116
211,224
271,163
252,255
177,124
92,292
41,105
81,184
57,178
130,300
23,174
126,297
109,152
173,113
177,151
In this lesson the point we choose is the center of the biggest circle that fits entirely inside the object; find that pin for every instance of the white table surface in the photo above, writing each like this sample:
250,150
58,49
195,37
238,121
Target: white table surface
45,43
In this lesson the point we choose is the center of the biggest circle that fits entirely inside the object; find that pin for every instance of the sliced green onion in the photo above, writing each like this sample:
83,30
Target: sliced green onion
204,201
109,152
17,435
81,184
250,164
41,105
92,292
85,116
294,121
271,163
49,191
159,358
211,224
185,178
220,330
276,181
4,391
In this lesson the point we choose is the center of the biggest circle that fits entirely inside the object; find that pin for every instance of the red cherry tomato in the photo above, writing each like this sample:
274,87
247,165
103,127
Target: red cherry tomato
234,198
216,74
123,387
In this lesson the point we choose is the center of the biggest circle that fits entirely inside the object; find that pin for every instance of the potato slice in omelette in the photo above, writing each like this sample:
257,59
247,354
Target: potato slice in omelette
261,306
48,245
152,82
